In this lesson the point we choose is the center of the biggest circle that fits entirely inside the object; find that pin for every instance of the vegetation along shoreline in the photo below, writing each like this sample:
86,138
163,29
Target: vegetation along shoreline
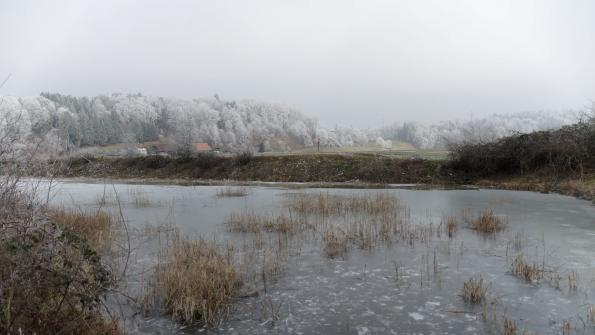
558,161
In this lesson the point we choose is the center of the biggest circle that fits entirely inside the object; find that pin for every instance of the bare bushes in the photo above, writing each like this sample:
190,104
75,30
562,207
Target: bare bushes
195,281
51,281
564,151
244,158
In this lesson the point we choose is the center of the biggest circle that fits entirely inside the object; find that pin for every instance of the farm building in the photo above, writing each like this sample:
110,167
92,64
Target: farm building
202,147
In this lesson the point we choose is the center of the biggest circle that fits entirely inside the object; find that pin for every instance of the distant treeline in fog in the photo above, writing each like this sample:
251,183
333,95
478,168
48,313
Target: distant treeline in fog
440,134
59,123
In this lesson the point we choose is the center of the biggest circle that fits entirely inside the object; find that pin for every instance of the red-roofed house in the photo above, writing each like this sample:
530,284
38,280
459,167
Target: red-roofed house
202,147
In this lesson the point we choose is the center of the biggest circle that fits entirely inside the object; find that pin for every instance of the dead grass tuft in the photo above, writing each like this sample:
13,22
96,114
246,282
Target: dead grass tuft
518,241
336,242
566,327
509,326
452,225
100,229
105,199
591,313
488,223
524,270
325,204
474,291
195,281
139,198
572,281
141,201
254,223
232,192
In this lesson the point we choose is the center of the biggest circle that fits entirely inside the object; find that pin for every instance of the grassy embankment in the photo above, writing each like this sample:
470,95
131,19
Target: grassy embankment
355,168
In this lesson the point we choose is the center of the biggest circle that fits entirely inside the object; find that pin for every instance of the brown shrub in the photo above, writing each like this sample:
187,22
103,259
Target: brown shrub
51,282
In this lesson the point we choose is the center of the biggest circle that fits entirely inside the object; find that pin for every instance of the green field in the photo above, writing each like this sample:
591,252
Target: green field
398,150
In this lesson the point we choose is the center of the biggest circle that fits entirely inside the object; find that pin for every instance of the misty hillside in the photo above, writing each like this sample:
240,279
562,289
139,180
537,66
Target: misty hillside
59,123
440,134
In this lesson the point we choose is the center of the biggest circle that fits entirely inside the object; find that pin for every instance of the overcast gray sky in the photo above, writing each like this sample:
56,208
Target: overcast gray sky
358,63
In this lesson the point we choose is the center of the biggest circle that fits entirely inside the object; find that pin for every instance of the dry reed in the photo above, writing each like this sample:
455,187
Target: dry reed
487,222
572,281
106,199
524,270
510,326
518,241
254,223
451,225
474,291
195,281
139,198
336,242
566,327
325,204
99,228
232,192
141,201
591,313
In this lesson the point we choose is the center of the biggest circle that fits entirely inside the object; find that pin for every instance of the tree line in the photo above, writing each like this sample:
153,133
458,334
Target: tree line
61,123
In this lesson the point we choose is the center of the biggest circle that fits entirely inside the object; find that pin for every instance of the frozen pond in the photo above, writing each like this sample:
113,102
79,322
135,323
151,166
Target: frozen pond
396,288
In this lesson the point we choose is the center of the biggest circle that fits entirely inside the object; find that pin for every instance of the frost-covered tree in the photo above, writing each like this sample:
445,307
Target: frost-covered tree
440,134
118,118
236,126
